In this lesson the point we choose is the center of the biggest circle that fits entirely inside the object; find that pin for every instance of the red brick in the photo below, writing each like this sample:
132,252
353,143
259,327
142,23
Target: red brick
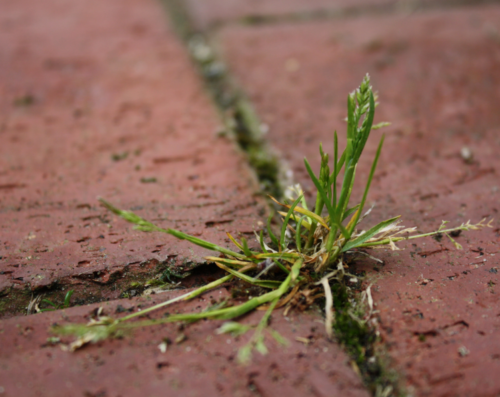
107,78
203,365
81,83
210,13
437,74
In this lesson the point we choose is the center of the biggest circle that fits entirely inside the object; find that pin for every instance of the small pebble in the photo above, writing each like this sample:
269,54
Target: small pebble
466,154
463,351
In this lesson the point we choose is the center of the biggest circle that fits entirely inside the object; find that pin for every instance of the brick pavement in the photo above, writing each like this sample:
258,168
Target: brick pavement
201,363
100,99
436,71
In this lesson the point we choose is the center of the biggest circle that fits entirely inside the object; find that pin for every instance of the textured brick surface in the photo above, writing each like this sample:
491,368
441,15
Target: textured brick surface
99,99
94,97
203,364
437,74
210,13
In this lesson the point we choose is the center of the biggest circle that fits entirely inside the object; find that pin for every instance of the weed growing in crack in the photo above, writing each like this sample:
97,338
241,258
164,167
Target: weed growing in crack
65,305
34,305
307,255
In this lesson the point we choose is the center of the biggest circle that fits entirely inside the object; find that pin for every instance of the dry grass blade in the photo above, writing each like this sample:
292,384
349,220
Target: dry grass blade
328,307
303,211
33,305
229,262
285,300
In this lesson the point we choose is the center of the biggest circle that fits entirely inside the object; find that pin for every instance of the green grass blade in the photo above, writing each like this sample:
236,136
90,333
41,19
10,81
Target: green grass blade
331,211
247,250
344,231
236,311
350,211
278,337
368,183
286,220
202,243
261,241
380,125
350,119
148,226
233,328
303,211
324,174
265,251
287,256
369,234
334,180
296,218
129,216
67,298
229,262
340,164
222,314
185,297
345,192
367,126
46,301
320,189
260,283
234,241
298,237
270,232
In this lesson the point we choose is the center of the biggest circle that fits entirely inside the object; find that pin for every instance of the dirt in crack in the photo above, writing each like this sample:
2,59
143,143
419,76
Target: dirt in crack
134,280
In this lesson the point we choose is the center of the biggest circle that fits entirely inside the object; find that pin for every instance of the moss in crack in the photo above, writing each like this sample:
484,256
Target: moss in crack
88,288
13,301
361,342
168,277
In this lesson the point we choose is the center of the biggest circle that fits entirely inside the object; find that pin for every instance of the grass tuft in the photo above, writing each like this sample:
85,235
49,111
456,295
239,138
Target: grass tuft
307,256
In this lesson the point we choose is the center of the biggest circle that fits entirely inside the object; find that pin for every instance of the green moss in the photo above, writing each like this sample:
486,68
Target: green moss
14,301
3,305
361,343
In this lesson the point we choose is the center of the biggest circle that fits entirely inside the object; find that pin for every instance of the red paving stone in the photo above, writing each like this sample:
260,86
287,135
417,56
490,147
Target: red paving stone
84,82
204,364
211,12
437,74
80,84
206,14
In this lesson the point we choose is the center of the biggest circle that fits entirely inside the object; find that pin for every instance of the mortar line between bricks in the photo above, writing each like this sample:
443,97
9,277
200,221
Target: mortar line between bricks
402,7
369,359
